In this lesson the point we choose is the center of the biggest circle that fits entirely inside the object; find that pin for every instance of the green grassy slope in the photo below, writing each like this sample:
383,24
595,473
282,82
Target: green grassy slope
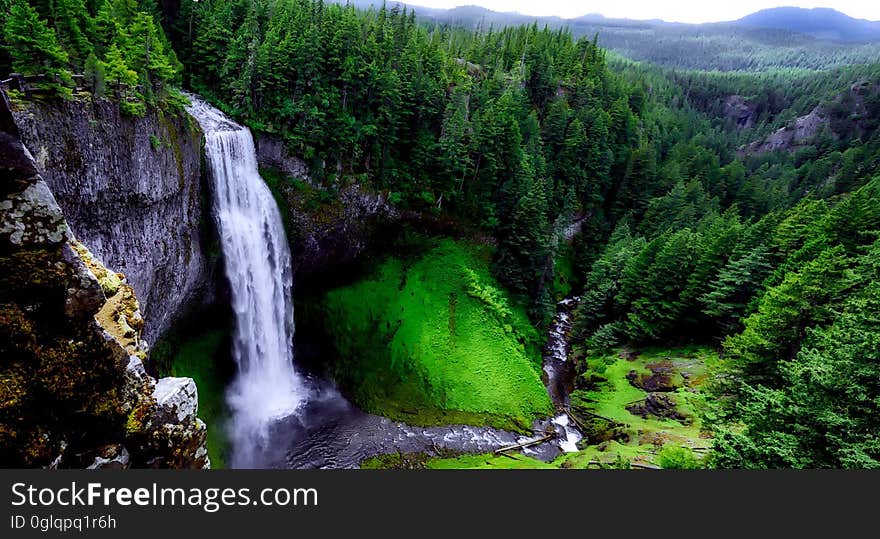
433,340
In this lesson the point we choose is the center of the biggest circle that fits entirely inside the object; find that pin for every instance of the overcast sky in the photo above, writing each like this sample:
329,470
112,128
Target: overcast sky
668,10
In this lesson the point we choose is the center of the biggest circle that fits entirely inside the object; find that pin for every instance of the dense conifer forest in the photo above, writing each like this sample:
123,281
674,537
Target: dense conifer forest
710,212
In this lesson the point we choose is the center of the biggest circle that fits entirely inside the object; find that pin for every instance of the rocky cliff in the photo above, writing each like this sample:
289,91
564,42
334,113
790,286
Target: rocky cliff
131,190
272,153
739,111
73,390
849,115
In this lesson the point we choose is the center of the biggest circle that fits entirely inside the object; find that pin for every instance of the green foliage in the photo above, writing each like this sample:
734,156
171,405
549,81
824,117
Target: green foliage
694,229
675,457
444,120
776,331
608,389
33,46
737,283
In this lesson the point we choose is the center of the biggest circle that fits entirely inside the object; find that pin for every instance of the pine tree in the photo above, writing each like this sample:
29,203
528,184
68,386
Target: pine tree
730,293
454,141
524,258
776,331
33,46
117,71
822,411
95,74
657,303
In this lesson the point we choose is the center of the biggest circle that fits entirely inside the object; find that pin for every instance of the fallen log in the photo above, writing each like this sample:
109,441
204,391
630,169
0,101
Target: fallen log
523,445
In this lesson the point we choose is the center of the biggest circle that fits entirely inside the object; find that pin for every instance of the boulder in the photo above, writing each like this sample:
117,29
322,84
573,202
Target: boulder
177,400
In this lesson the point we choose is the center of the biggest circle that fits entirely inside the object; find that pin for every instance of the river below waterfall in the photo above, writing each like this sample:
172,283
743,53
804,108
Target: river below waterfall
331,432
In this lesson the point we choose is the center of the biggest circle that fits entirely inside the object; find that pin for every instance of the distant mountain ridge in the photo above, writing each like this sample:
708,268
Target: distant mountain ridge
822,23
780,38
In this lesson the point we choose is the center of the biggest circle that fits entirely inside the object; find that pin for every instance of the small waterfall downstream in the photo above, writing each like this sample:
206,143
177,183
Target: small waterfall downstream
560,374
267,388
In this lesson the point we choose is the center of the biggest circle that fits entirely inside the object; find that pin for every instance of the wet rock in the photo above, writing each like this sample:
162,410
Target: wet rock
659,405
661,379
114,457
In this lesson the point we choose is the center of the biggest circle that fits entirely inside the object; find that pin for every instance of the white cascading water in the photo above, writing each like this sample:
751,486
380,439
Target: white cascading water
257,258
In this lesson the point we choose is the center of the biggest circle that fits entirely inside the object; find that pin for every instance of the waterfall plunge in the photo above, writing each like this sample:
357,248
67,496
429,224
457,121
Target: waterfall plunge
257,258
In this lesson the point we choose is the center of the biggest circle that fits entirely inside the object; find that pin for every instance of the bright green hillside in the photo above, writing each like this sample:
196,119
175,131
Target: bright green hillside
433,340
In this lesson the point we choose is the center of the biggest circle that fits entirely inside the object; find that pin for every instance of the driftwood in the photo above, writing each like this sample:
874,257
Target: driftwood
500,451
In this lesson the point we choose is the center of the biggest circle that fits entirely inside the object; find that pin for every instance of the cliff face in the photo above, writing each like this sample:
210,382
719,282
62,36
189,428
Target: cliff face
850,115
73,390
131,190
271,153
326,233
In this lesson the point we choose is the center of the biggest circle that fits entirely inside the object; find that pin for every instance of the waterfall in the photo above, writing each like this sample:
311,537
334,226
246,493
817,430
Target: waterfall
257,258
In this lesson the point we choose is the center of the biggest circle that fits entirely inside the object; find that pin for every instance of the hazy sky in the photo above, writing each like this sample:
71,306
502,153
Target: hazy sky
669,10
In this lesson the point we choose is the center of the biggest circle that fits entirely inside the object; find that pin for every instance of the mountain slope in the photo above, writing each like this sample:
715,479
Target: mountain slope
764,41
822,23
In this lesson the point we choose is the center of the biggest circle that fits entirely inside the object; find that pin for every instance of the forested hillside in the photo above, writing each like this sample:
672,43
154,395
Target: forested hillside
696,228
799,39
515,131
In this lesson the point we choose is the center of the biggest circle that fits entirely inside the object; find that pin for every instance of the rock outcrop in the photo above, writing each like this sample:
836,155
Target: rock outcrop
740,111
851,114
325,232
791,137
272,153
131,190
73,389
336,233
